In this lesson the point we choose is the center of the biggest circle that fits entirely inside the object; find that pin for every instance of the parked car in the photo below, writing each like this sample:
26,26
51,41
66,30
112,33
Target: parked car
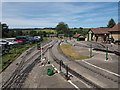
19,41
12,41
31,39
4,47
39,38
23,38
9,42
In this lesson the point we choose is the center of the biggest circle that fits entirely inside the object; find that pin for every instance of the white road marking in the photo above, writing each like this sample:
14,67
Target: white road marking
55,68
103,52
73,84
101,68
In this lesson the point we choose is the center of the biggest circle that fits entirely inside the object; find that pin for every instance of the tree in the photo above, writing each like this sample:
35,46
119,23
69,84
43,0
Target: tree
33,33
111,23
5,30
62,28
19,33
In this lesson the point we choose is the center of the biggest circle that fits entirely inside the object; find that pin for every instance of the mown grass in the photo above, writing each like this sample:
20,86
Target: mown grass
6,60
47,30
67,50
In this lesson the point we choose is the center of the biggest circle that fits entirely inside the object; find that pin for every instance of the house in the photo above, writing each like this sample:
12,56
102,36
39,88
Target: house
52,35
76,35
79,37
61,35
98,34
115,32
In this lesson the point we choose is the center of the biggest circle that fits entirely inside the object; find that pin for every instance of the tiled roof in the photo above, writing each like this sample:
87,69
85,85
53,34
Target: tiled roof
115,28
100,30
77,35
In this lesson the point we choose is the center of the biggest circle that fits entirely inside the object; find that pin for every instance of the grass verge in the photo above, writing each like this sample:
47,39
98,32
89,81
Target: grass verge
67,50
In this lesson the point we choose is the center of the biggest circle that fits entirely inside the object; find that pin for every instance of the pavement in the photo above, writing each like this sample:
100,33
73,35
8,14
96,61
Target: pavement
38,78
34,74
99,59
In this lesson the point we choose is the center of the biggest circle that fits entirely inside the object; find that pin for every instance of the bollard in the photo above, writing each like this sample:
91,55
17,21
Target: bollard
67,72
38,45
50,71
91,50
60,65
107,53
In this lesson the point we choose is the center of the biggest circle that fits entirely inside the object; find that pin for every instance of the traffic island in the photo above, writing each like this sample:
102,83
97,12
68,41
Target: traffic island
68,51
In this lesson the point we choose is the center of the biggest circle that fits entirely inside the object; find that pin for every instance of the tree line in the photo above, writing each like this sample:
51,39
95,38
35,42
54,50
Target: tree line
61,28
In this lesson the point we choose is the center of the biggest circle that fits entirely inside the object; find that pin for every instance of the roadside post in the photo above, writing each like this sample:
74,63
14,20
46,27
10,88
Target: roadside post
106,53
41,51
37,45
67,72
91,50
60,65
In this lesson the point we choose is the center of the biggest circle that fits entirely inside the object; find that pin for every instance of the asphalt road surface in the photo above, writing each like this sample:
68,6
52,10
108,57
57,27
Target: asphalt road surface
32,71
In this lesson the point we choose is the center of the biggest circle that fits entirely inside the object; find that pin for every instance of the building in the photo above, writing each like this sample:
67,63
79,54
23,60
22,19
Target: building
52,35
115,32
61,35
79,37
98,34
104,34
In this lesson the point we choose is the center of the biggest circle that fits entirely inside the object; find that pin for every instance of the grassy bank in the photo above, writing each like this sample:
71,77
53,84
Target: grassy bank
7,59
67,49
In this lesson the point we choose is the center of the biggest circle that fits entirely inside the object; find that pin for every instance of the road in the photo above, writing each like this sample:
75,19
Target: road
31,71
97,76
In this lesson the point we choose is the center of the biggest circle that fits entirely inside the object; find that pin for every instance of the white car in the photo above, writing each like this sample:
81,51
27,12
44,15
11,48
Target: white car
9,41
37,37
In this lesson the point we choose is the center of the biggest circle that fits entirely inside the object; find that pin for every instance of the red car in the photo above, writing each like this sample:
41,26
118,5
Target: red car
20,42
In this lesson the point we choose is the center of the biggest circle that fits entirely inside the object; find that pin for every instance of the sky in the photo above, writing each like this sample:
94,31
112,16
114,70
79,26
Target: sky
49,14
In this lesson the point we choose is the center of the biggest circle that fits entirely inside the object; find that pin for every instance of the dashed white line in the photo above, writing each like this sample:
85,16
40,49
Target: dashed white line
55,68
68,80
101,68
73,84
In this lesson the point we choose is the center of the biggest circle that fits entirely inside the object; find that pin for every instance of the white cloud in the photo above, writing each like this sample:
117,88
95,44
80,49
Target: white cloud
46,15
